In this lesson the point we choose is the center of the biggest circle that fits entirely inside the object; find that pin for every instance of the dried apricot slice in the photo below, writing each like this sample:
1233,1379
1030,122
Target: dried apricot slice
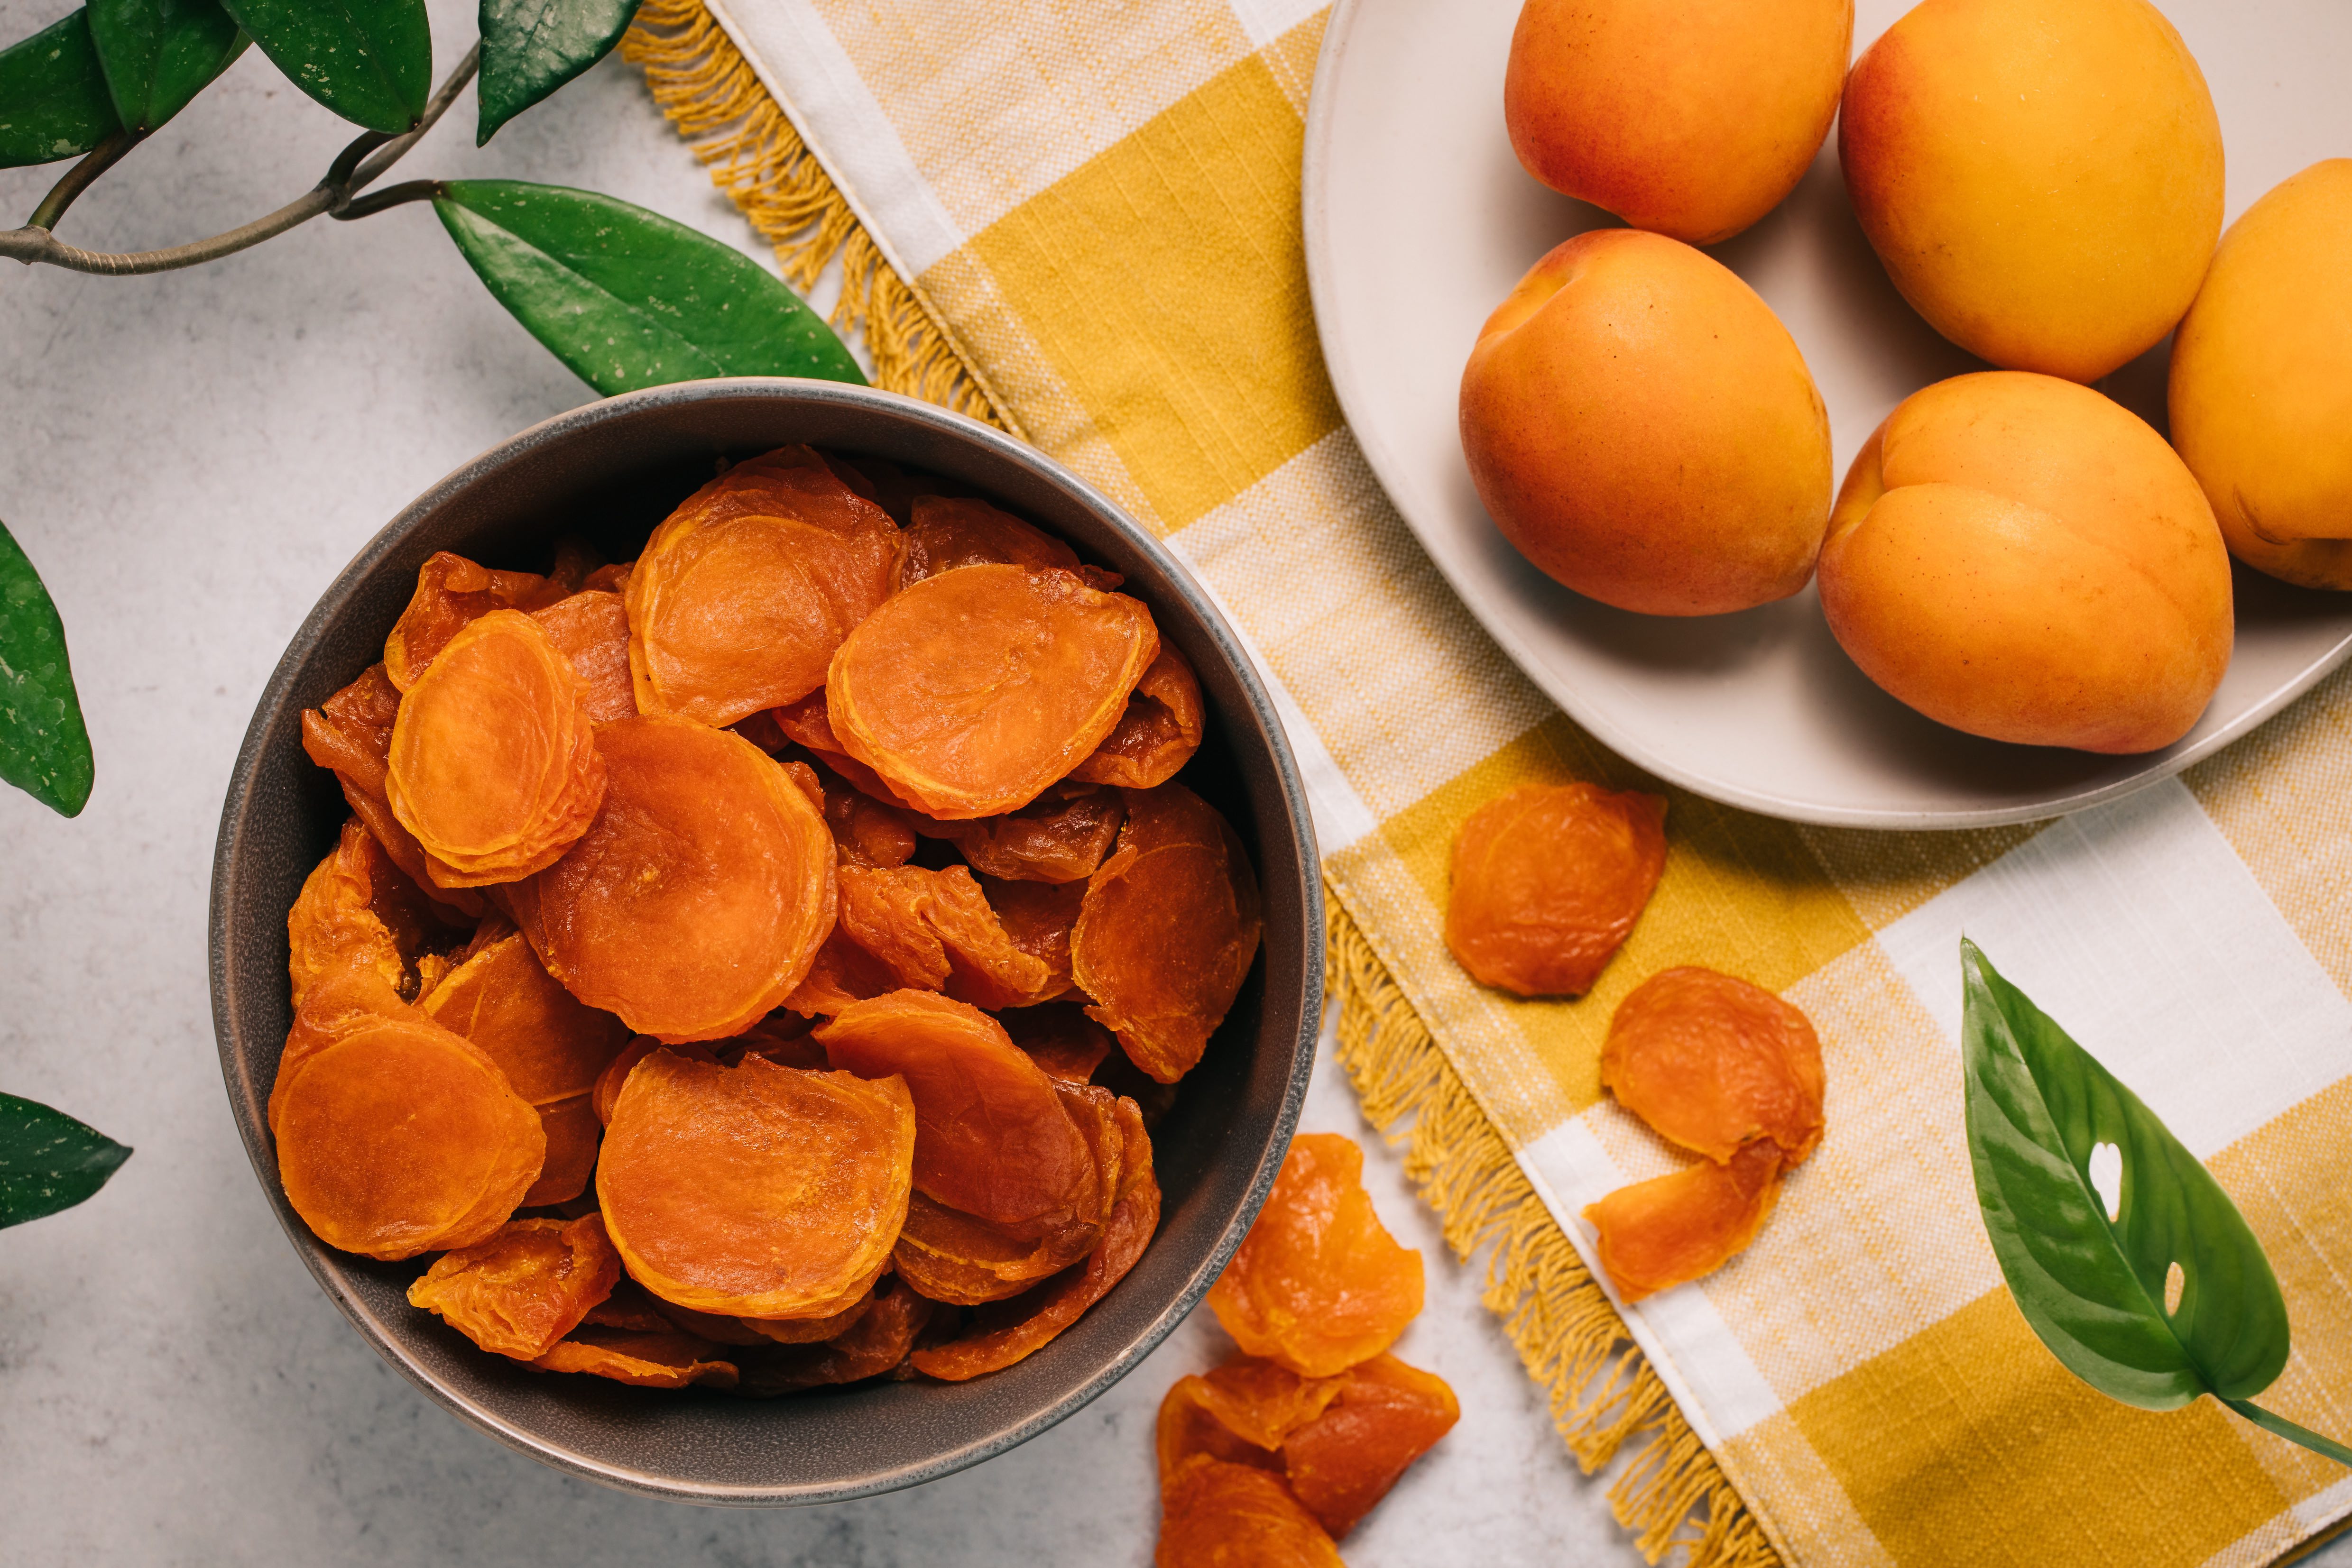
812,1331
1168,930
972,691
842,973
1061,837
607,1092
993,1139
867,832
695,902
1061,1038
742,594
875,1343
357,908
755,1190
527,1285
395,1136
962,1261
574,1134
934,930
1345,1459
1224,1515
670,1360
1712,1062
591,629
949,531
1673,1228
1159,732
350,735
494,763
1319,1284
453,593
1547,882
549,1045
1239,1413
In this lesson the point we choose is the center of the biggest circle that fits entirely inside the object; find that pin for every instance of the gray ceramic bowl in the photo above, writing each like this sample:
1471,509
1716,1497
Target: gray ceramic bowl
610,471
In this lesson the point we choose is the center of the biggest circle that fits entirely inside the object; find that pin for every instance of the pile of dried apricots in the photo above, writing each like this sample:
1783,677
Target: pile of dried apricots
801,923
1547,882
1274,1457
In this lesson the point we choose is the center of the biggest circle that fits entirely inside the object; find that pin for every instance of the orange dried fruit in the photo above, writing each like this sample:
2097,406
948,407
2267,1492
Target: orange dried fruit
358,908
755,1190
350,735
875,1343
718,1330
524,1288
962,1261
1345,1459
972,691
1060,838
1168,930
1224,1515
591,629
1061,1038
1159,732
549,1044
842,973
1712,1063
1673,1228
630,1306
611,578
452,593
867,832
934,930
742,594
949,531
812,1331
607,1092
1547,882
1319,1284
395,1136
993,1138
574,1134
669,1360
805,723
1239,1414
494,763
694,903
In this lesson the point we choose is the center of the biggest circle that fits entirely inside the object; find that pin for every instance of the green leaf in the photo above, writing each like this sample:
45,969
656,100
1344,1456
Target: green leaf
626,298
531,47
49,1161
371,61
43,746
53,100
159,54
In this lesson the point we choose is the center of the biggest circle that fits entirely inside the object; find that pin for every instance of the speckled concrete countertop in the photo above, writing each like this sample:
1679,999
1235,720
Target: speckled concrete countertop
189,460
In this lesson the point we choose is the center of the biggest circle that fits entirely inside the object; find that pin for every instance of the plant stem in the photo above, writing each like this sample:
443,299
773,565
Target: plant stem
392,196
357,167
2286,1428
100,157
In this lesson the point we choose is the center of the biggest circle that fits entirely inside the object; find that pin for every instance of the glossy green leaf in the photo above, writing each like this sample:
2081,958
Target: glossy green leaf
49,1161
43,746
159,54
626,298
2093,1288
53,98
371,61
531,47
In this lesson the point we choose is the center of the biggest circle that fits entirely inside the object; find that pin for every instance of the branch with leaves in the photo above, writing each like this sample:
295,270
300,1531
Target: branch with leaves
623,296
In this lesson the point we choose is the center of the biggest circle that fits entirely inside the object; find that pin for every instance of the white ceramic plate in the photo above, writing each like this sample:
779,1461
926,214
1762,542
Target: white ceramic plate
1419,220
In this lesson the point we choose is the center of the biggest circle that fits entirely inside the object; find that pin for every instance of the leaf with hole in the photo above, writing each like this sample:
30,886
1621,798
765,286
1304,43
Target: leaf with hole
628,298
159,54
53,98
531,47
49,1161
2094,1274
371,61
44,746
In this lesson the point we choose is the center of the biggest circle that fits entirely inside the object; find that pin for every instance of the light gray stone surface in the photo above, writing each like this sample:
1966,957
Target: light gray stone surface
189,460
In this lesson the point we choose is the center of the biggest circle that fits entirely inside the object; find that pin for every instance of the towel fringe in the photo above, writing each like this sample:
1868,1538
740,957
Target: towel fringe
701,82
1604,1398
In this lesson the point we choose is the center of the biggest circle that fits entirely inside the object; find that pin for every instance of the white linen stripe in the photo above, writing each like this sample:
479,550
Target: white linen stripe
1266,20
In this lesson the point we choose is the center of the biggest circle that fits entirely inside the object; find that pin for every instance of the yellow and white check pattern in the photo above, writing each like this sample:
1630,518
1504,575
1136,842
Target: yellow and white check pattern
1100,204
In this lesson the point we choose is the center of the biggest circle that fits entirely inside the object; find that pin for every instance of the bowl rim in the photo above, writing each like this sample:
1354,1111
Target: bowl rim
238,806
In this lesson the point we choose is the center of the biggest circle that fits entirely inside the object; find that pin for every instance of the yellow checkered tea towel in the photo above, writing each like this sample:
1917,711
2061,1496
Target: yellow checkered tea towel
1083,221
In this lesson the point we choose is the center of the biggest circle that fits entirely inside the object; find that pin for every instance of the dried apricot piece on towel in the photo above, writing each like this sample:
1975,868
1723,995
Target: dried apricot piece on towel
1712,1062
992,1136
1673,1228
970,692
1168,930
453,593
395,1136
1224,1515
695,902
1319,1284
494,764
523,1288
744,593
1547,882
755,1190
1159,732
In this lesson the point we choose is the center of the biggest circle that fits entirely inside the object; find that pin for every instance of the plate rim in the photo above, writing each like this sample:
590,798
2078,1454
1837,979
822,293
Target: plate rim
1314,215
